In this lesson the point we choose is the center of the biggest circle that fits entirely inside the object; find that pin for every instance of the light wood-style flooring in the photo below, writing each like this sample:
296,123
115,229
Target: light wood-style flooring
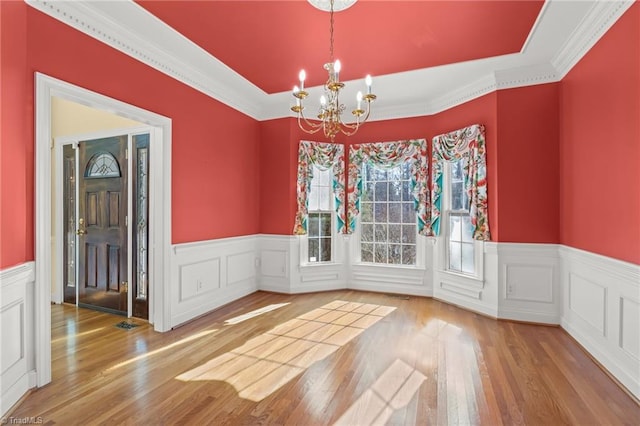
340,357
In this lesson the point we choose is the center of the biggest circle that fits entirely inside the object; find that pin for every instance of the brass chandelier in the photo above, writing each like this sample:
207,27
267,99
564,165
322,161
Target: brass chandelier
331,109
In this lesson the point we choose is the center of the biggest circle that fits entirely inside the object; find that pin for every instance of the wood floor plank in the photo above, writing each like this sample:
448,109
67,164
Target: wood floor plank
342,357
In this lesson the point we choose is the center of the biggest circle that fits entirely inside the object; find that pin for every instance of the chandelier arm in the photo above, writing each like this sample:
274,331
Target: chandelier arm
314,129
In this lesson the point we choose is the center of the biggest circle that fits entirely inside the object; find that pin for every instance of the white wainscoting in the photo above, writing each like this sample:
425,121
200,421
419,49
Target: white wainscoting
601,310
17,330
282,269
209,274
529,282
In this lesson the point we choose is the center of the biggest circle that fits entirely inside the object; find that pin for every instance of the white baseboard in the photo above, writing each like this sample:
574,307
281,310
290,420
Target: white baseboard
17,331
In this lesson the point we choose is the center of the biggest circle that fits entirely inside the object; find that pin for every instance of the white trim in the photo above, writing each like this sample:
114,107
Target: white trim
17,373
562,34
160,217
594,25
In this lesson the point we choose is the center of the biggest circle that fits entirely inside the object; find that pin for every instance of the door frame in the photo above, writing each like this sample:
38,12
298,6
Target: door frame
57,290
159,208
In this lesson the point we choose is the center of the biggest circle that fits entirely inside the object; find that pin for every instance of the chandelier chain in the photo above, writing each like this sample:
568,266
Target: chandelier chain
331,34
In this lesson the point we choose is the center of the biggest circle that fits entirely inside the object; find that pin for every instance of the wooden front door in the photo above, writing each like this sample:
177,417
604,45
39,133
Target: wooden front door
102,224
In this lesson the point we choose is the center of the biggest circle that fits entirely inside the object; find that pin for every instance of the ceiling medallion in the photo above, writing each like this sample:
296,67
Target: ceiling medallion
338,5
331,109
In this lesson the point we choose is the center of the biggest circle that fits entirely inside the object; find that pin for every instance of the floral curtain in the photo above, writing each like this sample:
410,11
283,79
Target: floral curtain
466,143
389,155
324,156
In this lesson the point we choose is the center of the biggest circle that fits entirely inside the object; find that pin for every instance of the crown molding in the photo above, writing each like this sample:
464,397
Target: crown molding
595,24
562,34
129,28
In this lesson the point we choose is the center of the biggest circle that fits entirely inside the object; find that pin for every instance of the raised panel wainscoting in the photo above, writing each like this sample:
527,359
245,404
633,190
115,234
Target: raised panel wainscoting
601,310
17,361
210,274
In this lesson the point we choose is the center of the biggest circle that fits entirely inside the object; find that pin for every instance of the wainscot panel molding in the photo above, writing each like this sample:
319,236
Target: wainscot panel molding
529,282
601,310
17,331
210,274
392,279
283,272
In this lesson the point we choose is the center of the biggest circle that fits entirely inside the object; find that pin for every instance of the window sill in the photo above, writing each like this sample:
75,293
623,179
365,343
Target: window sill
319,265
387,265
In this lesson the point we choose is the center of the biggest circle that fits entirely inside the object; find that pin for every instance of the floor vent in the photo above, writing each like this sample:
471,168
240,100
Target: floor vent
126,325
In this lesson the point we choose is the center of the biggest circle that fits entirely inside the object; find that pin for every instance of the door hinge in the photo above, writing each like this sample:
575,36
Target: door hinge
126,221
124,287
126,153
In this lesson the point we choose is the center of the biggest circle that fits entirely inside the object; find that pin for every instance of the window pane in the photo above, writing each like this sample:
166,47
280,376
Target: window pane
380,212
395,191
325,249
408,255
392,206
406,191
314,250
395,232
455,261
381,233
313,199
395,254
314,228
395,212
409,234
395,174
367,252
457,170
325,224
406,171
408,213
380,254
454,228
467,258
378,174
366,212
381,191
367,191
367,232
457,196
324,198
467,229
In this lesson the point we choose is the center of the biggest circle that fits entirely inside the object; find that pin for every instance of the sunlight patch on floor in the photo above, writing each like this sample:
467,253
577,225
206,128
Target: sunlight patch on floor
240,318
267,362
75,335
393,390
162,349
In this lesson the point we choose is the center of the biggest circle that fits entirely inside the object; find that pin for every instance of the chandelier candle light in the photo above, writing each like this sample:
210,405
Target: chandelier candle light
330,107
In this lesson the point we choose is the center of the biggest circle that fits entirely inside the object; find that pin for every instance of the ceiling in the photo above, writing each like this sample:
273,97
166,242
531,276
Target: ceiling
425,56
269,42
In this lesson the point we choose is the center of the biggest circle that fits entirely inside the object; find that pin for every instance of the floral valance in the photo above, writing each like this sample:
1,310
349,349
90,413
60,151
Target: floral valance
389,155
324,156
468,143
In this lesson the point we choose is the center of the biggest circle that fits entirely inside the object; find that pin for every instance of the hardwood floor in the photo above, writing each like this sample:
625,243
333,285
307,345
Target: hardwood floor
340,357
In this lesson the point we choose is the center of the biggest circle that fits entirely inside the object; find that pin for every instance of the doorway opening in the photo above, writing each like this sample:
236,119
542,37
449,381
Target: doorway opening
47,236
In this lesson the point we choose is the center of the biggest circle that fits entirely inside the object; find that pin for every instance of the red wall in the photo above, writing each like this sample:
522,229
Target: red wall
600,145
214,155
528,164
16,152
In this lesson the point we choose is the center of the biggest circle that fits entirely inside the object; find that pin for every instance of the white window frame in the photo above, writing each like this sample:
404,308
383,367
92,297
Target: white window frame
356,250
304,239
443,238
